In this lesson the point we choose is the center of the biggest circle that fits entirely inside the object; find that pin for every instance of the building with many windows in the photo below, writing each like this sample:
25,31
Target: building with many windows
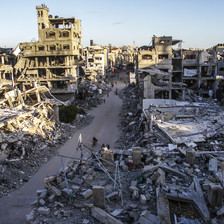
54,60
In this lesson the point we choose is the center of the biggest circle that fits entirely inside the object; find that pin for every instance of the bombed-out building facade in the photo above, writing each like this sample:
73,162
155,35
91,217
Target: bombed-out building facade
7,61
161,57
96,60
54,60
193,69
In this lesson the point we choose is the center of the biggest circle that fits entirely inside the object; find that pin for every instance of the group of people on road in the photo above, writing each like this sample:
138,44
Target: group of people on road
94,143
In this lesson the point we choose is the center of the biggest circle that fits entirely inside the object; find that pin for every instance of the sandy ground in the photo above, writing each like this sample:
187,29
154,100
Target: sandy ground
14,207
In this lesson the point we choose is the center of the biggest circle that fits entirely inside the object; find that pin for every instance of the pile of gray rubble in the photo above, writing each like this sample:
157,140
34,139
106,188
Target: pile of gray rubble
130,118
30,135
134,186
90,94
176,176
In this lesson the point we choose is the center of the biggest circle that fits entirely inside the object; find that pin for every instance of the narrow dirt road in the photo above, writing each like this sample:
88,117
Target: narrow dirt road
14,207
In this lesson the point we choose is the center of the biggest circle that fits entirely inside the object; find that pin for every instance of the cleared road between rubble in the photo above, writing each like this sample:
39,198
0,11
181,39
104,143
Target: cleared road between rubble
14,207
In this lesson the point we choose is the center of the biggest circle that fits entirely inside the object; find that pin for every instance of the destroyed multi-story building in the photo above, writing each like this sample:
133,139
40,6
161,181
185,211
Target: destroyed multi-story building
7,61
128,55
121,57
54,60
114,56
199,71
218,52
161,56
194,69
96,60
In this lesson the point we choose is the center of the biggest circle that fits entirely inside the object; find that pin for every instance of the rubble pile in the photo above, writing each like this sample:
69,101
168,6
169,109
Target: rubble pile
192,124
90,95
134,186
131,118
29,138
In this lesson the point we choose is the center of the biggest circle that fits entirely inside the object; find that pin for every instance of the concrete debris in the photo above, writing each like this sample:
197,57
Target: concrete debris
88,95
99,196
130,124
155,186
157,179
43,211
30,134
104,217
215,195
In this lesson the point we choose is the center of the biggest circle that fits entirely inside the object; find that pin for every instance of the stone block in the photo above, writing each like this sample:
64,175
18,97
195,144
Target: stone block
143,199
77,181
173,164
70,175
215,195
137,156
66,192
52,198
54,190
161,179
42,202
75,167
75,188
87,177
190,156
62,185
66,213
50,179
213,165
155,176
135,195
99,196
117,212
30,217
43,195
39,192
59,180
87,194
43,210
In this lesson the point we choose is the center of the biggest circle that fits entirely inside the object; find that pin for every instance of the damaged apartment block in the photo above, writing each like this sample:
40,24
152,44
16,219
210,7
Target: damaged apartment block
165,79
192,69
54,60
199,71
96,60
7,61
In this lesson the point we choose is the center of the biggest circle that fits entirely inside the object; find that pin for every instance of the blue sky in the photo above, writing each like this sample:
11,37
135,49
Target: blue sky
199,23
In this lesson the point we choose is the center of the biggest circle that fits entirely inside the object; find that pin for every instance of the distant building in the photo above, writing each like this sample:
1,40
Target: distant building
199,71
7,61
155,59
54,60
218,52
96,60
